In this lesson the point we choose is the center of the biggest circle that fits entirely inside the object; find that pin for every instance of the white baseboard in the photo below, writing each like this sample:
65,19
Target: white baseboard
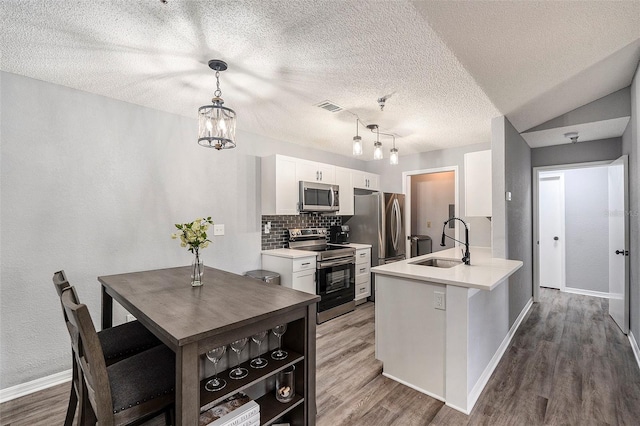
486,374
34,386
634,347
593,293
395,379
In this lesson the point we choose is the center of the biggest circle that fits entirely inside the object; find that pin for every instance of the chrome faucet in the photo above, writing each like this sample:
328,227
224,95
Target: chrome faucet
466,257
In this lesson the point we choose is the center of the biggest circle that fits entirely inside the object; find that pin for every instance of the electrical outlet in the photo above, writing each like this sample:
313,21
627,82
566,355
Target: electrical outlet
218,229
439,300
428,224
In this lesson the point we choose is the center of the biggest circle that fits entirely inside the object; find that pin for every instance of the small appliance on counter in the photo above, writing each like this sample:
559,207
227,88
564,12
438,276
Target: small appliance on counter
339,234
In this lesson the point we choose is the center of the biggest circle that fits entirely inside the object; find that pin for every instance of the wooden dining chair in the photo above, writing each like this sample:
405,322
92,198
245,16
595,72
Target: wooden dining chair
128,391
117,343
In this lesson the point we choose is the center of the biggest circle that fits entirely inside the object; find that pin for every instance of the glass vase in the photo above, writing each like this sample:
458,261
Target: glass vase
197,270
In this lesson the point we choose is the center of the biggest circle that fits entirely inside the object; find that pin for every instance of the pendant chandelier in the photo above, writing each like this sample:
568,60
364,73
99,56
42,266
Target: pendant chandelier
217,123
377,145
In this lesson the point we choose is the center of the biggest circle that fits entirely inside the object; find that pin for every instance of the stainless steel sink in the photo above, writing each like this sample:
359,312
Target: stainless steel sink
435,262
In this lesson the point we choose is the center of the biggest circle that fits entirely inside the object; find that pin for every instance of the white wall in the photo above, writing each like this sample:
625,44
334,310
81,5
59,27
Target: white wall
93,186
431,195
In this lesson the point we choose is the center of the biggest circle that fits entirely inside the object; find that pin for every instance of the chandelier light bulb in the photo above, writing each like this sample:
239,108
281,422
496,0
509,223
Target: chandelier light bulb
393,158
377,151
357,145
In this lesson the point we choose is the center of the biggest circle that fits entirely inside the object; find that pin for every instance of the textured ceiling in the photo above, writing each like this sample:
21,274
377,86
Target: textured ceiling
449,66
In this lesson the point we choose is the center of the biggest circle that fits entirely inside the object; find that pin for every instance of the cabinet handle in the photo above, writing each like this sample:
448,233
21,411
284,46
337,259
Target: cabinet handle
362,270
306,263
321,175
363,254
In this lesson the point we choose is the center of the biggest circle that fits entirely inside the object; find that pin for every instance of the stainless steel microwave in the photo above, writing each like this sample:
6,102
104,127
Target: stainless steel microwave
319,197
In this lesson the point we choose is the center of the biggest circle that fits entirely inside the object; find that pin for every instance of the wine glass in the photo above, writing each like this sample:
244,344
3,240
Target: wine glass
279,330
214,356
237,346
258,338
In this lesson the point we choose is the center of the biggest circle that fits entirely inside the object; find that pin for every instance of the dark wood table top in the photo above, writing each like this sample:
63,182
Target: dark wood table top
185,314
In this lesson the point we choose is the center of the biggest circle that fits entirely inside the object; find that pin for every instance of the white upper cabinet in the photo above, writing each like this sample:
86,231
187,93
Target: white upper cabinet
281,176
279,185
366,180
310,171
477,183
344,182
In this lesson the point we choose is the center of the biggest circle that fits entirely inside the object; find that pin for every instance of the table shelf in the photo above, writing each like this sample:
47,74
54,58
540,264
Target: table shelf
271,409
209,399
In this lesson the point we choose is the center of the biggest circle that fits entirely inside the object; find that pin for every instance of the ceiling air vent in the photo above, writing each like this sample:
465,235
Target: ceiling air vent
329,106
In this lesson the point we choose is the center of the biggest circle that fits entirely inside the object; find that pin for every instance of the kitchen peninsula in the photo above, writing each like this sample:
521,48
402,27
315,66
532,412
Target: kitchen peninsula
442,329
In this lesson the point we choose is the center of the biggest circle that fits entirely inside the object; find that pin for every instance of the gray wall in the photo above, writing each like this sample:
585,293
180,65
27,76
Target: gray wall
614,105
631,145
391,180
573,153
94,185
519,219
587,228
512,220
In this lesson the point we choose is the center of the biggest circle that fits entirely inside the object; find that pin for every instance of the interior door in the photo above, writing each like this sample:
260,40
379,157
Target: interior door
619,243
551,231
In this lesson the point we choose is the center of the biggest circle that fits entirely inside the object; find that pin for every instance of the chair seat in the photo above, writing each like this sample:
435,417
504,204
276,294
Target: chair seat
142,378
124,340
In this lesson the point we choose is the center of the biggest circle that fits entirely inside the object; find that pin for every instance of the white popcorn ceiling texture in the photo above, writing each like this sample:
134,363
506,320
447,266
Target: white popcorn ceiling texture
450,67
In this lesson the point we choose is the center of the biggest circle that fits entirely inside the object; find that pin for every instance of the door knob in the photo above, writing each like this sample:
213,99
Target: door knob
556,238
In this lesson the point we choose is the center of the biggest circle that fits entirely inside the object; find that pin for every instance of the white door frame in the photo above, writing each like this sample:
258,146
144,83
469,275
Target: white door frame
536,226
406,190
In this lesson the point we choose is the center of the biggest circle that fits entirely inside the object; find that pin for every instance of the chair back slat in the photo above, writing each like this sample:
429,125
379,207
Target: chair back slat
88,353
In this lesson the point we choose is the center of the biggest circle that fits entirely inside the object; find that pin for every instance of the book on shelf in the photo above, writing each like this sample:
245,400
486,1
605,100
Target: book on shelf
237,410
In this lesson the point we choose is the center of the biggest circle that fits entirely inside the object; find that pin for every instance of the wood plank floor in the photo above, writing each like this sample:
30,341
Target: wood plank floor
568,364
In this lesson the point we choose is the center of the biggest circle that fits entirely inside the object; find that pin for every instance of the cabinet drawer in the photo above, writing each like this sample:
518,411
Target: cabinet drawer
362,269
363,256
304,263
363,287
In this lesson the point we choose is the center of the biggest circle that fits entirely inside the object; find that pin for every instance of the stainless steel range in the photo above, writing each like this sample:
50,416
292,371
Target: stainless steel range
335,271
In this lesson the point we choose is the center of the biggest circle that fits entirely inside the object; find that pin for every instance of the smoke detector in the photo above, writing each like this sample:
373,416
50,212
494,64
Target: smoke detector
572,135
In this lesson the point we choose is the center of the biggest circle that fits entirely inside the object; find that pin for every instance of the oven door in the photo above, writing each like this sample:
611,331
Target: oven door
336,283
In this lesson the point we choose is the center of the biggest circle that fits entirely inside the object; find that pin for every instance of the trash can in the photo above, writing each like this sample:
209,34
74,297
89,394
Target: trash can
266,276
420,244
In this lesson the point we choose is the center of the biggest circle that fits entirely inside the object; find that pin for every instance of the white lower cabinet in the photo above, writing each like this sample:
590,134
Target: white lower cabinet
363,274
297,273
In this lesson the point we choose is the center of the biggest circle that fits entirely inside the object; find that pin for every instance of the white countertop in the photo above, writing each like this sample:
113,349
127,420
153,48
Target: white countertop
289,253
484,273
353,245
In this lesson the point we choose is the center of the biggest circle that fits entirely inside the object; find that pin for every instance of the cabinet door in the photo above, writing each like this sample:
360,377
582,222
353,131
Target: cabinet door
307,171
305,281
477,183
373,181
326,172
286,188
366,180
343,180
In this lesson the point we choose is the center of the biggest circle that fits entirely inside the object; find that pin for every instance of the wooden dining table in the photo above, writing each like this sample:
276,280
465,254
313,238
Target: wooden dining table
193,320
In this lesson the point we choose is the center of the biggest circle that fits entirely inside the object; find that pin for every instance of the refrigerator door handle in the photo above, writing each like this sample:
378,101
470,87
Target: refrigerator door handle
397,219
382,228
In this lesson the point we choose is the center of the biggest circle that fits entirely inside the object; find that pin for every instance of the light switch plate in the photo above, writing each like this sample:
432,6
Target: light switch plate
507,196
218,229
439,300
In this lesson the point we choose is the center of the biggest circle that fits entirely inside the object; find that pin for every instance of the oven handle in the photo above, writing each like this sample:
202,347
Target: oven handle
323,265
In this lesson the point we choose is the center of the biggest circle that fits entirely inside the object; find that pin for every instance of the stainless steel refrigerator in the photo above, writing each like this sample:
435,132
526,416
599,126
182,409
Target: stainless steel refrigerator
379,220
